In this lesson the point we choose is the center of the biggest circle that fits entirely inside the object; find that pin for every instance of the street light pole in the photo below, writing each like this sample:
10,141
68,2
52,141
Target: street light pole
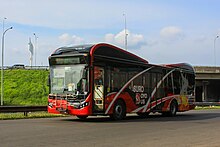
2,70
215,50
3,24
35,49
126,41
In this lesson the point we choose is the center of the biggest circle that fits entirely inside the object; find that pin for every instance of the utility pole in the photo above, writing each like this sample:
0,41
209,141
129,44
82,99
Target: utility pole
35,49
126,39
215,50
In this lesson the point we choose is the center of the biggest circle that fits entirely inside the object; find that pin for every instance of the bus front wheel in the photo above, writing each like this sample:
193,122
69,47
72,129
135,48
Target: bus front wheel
119,111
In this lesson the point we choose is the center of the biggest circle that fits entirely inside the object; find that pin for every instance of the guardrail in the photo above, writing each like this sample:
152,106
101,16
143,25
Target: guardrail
27,67
25,109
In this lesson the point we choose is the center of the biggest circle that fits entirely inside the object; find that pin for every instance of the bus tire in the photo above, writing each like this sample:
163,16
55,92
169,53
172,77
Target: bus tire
173,108
82,117
119,111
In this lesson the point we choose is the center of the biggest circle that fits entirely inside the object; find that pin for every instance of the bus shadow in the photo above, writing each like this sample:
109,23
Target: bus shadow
151,118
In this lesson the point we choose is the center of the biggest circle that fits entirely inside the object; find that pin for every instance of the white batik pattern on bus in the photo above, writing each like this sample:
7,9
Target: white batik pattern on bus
116,96
157,102
153,93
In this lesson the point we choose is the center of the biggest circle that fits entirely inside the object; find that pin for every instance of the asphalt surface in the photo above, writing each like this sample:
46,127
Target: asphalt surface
188,129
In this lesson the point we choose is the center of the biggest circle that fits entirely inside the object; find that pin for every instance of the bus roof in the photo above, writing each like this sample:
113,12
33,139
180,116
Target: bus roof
110,52
100,50
185,66
73,49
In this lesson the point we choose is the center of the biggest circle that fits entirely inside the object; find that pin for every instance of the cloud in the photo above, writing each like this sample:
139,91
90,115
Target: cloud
133,40
109,37
171,33
200,38
70,40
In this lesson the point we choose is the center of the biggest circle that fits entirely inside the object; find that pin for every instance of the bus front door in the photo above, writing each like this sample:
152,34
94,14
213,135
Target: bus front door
98,89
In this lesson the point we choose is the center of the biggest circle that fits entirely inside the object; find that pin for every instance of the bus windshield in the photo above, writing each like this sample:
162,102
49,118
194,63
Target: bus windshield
70,79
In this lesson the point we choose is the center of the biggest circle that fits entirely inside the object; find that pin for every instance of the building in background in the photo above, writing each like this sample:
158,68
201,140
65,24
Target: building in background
207,84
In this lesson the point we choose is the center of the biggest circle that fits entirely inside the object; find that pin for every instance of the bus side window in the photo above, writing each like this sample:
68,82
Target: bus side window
108,80
170,86
160,91
146,82
191,79
114,80
177,79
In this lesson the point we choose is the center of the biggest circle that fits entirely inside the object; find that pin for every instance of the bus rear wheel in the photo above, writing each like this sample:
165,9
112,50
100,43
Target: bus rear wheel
119,111
173,109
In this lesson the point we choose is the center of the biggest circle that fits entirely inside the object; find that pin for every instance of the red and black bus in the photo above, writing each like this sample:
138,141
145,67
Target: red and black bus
102,79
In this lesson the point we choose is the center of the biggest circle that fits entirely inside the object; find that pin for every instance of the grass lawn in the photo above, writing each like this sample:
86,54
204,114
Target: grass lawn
207,107
20,115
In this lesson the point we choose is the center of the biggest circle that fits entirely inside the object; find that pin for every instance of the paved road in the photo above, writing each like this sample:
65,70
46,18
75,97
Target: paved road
193,128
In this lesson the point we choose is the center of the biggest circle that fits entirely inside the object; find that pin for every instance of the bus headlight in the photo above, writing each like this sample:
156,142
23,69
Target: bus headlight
50,104
83,104
79,105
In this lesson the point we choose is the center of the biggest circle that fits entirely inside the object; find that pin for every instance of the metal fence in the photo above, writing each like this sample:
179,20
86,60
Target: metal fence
27,67
25,109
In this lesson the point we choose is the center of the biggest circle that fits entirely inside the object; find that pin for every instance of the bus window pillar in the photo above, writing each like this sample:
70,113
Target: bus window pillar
204,91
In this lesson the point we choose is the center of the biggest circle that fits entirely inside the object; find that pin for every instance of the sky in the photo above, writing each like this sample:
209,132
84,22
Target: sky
160,31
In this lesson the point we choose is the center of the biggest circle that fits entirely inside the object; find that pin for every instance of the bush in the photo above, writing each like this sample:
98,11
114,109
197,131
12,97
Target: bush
25,87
